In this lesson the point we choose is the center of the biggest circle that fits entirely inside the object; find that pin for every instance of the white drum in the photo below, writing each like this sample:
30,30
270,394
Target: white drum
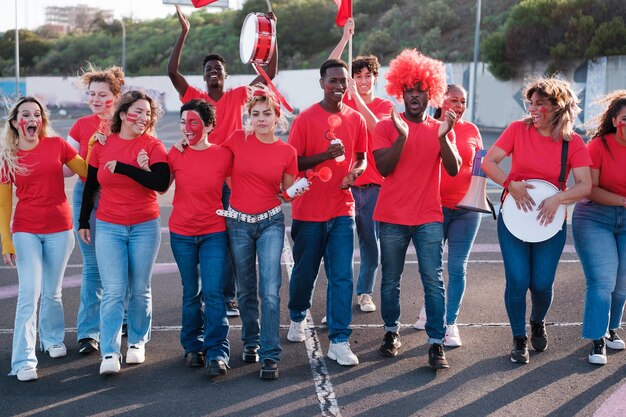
258,39
524,225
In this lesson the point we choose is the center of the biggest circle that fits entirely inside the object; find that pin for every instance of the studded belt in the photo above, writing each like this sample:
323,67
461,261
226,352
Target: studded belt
248,218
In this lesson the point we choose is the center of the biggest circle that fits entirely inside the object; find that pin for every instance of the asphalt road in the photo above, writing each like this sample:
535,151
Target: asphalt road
481,380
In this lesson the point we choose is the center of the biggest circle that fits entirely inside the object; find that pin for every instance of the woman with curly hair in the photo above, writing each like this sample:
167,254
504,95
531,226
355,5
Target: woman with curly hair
104,88
33,161
600,233
127,219
535,145
406,148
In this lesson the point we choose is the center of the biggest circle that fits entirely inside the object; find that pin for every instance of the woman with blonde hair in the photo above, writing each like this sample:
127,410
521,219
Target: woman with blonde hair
128,223
32,160
104,88
600,233
541,146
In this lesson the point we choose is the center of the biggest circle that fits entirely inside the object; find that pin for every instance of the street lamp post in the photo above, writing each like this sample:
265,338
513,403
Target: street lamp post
123,45
17,55
476,46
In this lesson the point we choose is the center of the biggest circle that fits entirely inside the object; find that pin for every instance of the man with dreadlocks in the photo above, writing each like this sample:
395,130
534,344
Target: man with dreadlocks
409,150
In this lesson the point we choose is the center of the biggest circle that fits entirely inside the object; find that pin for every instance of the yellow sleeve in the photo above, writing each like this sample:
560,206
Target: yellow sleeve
6,206
78,165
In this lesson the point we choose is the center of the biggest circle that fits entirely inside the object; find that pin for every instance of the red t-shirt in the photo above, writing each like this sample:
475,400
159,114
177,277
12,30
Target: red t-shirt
325,200
257,172
382,110
123,200
42,206
199,177
539,157
82,131
610,162
468,142
410,193
228,108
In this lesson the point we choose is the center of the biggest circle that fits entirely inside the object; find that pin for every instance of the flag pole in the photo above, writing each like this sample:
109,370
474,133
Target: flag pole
350,44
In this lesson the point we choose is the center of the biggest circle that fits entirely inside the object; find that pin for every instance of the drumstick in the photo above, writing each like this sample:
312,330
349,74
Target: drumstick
269,6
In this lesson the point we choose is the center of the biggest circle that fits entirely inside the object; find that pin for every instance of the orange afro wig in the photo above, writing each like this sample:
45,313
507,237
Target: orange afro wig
411,67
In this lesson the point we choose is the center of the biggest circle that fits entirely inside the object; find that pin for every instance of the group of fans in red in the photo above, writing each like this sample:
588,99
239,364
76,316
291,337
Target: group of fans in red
396,178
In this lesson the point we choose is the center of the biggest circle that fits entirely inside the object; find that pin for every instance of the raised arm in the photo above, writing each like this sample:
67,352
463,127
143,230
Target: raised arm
450,158
178,80
348,31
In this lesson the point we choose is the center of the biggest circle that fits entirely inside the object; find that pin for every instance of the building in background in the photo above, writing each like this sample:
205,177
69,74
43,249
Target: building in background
79,18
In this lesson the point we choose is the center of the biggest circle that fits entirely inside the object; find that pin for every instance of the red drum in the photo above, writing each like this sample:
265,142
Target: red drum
258,39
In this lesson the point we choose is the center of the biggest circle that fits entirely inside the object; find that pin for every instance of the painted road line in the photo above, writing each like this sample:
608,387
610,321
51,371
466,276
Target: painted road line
321,377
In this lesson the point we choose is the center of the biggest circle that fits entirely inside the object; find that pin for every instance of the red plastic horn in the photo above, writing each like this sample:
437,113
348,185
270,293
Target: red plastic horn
333,121
324,174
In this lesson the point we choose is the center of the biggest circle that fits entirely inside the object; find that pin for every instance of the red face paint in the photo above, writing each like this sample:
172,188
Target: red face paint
22,124
194,124
108,104
131,117
543,109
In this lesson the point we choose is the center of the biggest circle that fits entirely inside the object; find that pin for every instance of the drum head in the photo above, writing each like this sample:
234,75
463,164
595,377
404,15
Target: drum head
248,38
524,225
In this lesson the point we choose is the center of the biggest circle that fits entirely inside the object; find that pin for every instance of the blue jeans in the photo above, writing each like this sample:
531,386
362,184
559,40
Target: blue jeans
600,239
41,262
88,321
459,230
202,261
367,229
265,240
428,242
528,266
126,255
334,241
230,283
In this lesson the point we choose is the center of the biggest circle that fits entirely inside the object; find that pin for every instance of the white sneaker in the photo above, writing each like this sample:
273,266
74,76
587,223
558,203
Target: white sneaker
26,373
57,351
296,331
613,341
342,353
420,324
136,354
366,303
111,364
597,356
452,338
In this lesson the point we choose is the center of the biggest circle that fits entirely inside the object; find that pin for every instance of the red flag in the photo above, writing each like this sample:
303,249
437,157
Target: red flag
344,12
200,3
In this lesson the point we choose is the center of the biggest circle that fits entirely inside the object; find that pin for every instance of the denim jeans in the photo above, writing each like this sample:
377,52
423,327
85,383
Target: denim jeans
528,266
428,242
126,255
41,262
367,229
460,227
230,283
600,239
264,240
88,321
334,241
202,264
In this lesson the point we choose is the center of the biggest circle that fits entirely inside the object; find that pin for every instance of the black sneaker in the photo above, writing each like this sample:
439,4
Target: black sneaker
250,355
216,368
391,344
88,345
598,352
232,310
194,359
614,341
436,357
539,337
269,370
519,353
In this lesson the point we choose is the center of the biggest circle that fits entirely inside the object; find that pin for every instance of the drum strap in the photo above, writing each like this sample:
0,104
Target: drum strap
562,179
